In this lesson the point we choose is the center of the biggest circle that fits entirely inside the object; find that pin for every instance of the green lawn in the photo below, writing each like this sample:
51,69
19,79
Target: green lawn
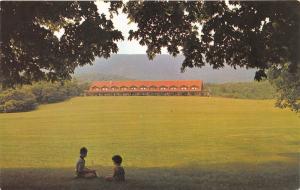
176,134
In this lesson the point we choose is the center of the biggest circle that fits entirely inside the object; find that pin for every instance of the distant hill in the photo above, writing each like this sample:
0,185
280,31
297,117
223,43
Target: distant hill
94,76
163,67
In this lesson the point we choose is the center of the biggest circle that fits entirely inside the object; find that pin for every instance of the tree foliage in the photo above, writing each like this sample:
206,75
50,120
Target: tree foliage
31,52
242,90
27,97
287,85
17,101
252,35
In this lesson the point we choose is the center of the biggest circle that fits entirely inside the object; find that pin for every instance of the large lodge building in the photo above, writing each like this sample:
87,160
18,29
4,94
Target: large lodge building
146,88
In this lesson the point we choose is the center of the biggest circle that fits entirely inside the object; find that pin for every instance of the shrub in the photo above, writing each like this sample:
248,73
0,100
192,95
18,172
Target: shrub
46,92
17,101
28,97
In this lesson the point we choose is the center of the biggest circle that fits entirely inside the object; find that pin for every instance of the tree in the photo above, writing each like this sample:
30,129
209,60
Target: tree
287,85
47,92
27,97
29,50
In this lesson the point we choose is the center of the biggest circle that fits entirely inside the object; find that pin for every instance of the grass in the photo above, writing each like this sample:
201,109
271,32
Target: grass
169,142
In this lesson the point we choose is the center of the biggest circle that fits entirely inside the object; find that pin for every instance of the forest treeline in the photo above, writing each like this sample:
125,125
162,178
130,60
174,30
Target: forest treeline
28,97
242,90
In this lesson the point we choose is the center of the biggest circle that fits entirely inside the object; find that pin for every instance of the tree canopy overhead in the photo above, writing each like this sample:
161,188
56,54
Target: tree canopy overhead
251,34
30,50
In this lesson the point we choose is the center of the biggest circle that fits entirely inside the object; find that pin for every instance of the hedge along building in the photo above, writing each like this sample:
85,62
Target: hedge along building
146,88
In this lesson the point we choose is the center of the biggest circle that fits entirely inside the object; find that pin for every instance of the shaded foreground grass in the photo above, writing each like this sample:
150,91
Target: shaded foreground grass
271,176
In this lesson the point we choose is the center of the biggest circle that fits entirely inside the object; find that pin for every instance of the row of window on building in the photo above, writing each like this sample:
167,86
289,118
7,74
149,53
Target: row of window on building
146,88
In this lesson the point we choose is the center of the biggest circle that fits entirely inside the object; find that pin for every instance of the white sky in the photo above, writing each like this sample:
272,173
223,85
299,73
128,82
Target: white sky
122,23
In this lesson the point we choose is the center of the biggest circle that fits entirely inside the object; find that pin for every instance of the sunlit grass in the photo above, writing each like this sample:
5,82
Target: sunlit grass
150,132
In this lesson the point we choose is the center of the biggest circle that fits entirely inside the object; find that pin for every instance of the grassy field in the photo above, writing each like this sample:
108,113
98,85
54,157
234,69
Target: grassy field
166,142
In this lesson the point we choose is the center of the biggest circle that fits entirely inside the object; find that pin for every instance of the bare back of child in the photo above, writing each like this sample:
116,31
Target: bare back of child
119,172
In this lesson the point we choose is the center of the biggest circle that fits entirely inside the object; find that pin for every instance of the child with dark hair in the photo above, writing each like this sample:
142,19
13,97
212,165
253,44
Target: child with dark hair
81,170
119,172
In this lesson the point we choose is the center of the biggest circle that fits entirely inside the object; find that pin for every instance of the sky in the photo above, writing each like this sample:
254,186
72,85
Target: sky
122,23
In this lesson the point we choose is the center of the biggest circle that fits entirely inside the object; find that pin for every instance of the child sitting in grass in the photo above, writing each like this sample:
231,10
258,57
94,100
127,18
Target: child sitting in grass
81,170
119,173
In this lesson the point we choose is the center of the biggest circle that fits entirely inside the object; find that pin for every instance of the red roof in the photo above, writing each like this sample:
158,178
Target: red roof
169,83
